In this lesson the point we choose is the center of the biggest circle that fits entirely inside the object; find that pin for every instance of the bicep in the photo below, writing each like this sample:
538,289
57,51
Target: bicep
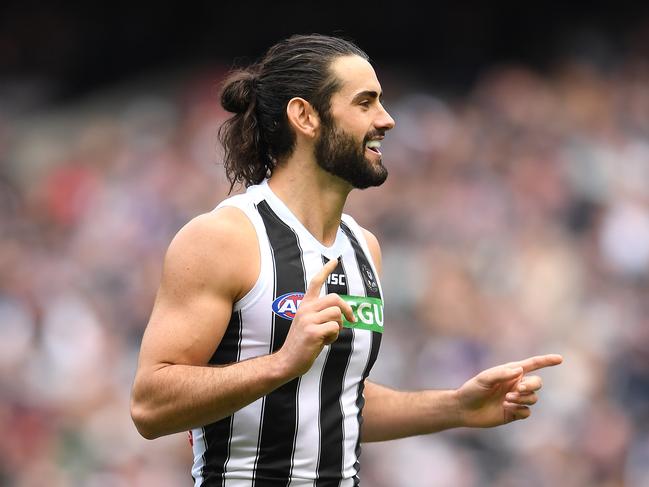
184,329
201,280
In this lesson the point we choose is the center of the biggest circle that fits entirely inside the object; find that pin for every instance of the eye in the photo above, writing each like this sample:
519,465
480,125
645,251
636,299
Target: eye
365,104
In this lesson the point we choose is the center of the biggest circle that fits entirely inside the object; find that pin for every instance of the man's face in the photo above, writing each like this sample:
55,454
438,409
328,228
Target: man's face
343,155
349,142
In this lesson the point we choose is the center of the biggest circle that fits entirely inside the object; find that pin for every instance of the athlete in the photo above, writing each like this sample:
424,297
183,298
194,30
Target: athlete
269,315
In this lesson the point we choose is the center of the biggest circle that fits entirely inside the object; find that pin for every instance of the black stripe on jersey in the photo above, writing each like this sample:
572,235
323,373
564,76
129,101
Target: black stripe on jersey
369,278
279,417
219,434
370,282
330,462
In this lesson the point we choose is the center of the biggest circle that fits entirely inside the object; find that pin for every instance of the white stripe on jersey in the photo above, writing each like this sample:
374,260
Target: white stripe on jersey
307,446
198,447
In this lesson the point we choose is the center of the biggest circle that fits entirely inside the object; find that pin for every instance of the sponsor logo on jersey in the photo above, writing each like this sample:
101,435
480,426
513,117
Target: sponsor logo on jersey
286,305
367,311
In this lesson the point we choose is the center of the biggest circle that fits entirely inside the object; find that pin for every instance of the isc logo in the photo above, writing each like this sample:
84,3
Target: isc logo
336,280
286,305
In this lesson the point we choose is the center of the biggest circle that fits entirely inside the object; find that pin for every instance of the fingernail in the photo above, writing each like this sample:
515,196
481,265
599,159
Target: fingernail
522,388
510,397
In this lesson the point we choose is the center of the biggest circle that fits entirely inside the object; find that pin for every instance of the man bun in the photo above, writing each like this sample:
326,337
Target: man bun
238,91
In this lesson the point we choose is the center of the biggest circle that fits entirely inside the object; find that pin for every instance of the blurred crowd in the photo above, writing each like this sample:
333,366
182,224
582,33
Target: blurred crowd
515,221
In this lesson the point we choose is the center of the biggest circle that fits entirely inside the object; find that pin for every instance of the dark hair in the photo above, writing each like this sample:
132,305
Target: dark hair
259,133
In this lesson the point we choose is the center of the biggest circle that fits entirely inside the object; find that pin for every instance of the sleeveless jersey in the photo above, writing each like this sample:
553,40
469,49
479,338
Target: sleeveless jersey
306,432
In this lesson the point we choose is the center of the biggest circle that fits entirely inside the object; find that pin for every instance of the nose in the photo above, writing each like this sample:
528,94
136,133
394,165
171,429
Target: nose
385,121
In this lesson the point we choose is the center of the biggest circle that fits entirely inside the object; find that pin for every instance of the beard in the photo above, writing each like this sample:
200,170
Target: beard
340,154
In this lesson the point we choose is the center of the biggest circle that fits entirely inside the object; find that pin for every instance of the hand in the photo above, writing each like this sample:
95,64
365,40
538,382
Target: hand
317,323
502,394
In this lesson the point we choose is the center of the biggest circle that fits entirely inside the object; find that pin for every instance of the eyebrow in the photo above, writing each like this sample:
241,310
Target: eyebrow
367,94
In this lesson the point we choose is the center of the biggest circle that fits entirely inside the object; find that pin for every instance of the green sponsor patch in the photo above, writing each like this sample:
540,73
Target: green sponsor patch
367,311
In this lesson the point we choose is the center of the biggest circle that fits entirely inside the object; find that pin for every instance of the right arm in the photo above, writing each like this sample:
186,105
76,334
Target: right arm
211,263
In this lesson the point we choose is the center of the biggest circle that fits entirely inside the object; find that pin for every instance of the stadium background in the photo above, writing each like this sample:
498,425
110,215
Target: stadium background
515,222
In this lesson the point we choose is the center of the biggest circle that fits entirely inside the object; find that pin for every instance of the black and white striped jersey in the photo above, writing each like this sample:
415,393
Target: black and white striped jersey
306,432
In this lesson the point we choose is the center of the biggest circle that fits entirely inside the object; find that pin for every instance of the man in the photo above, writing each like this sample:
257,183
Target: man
269,315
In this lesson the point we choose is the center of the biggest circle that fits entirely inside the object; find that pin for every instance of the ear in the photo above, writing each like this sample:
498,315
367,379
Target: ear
303,117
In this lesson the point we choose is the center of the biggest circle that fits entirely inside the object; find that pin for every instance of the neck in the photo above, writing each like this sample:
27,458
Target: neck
314,196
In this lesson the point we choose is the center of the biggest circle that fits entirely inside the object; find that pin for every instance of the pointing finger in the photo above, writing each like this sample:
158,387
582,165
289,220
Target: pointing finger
313,291
537,362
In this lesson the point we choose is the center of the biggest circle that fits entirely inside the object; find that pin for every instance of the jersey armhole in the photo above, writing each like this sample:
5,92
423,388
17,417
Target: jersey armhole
261,282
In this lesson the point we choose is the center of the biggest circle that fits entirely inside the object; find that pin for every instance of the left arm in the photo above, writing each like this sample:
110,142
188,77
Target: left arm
389,414
495,396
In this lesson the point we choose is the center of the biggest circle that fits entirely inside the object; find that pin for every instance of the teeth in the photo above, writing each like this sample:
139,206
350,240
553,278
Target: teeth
374,144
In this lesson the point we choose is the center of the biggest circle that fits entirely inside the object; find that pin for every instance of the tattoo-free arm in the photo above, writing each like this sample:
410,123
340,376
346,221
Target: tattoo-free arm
204,274
493,397
209,266
389,414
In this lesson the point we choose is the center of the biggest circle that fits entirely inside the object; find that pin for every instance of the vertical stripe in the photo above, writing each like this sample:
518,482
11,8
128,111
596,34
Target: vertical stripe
330,463
217,436
247,421
361,346
370,282
280,412
308,437
225,466
198,448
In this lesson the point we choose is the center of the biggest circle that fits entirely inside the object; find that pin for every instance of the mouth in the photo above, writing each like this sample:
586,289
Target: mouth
374,146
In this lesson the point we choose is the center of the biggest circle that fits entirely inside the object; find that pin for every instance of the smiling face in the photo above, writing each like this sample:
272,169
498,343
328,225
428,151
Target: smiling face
350,139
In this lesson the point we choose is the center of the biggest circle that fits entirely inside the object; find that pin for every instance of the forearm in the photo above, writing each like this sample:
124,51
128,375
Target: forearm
173,398
389,414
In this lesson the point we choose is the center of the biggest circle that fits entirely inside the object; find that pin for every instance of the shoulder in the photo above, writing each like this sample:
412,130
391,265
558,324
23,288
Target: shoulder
210,233
215,249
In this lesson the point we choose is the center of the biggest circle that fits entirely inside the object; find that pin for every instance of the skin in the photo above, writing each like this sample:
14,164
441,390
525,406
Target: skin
214,261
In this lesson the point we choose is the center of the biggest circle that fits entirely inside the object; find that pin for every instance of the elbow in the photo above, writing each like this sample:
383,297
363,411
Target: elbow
144,414
143,420
149,412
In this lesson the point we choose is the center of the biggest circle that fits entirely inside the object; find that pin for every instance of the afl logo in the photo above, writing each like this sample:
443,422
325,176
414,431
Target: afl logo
286,305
